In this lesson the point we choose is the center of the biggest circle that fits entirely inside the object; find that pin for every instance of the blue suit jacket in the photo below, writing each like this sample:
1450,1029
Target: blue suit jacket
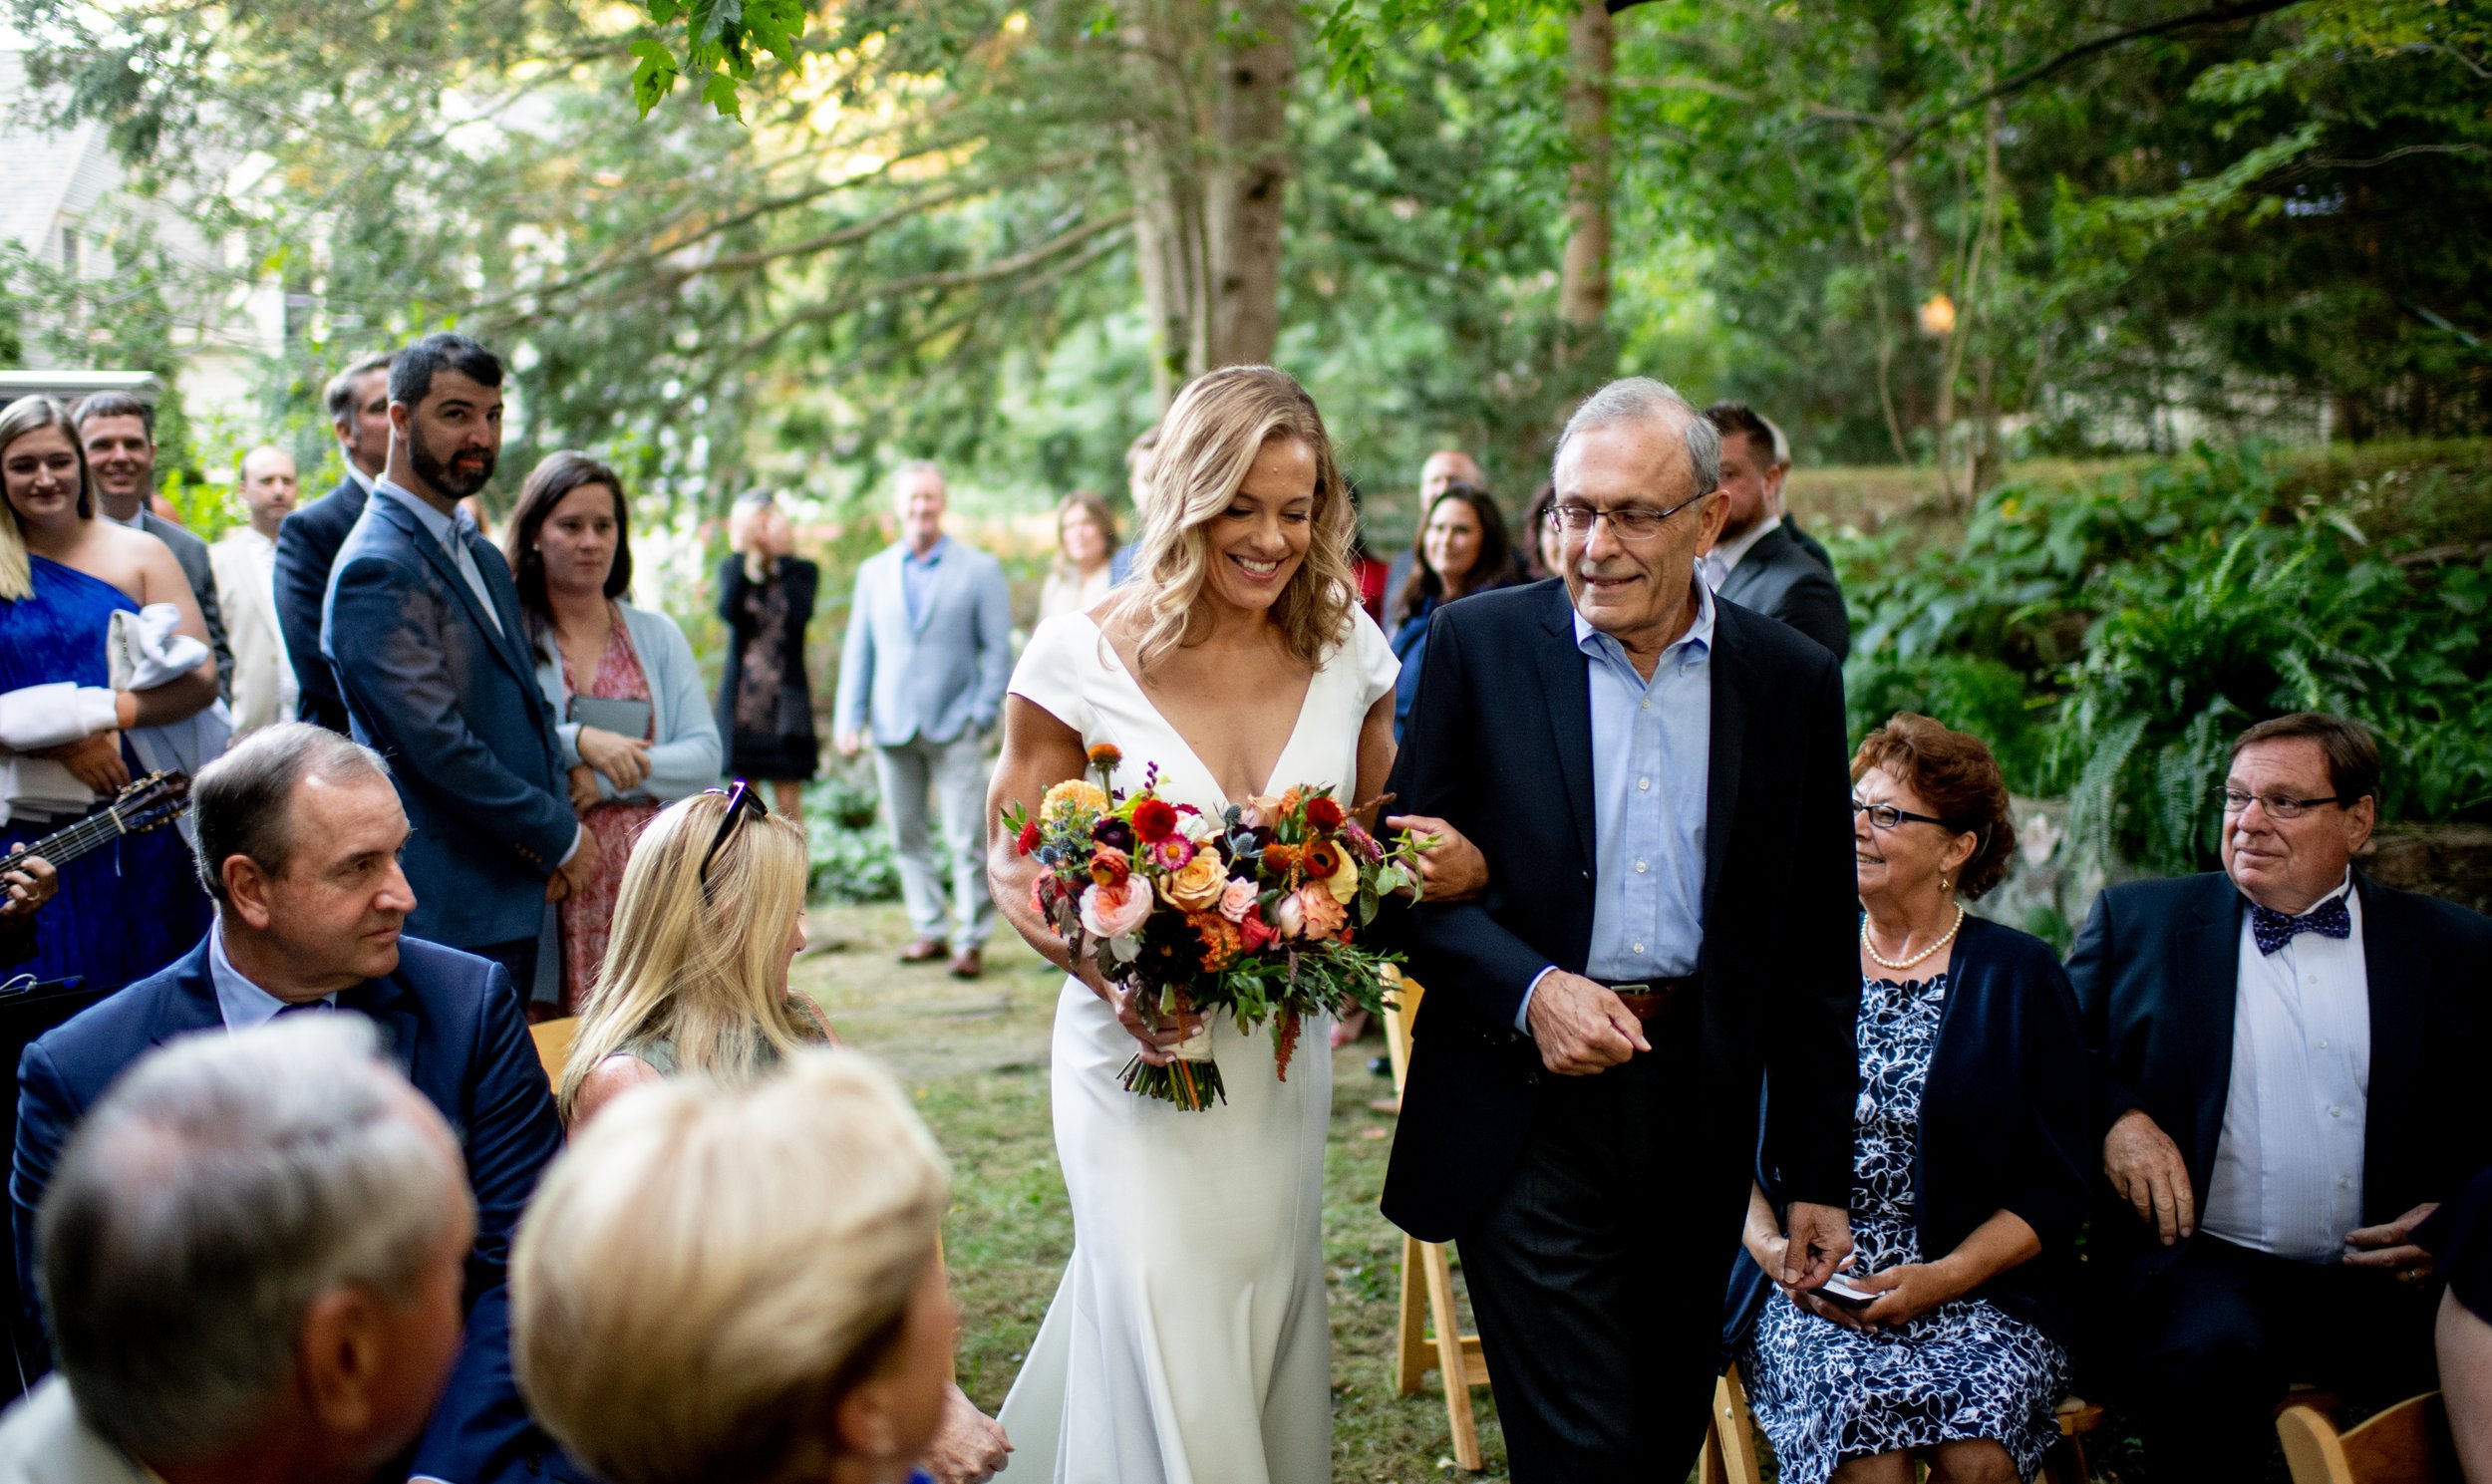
307,547
936,677
453,1025
455,708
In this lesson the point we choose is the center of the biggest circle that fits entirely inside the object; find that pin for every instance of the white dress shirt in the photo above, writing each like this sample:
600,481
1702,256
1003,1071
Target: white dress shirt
2288,1176
1724,558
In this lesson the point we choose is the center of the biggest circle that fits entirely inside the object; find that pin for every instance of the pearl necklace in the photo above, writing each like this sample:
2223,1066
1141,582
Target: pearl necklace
1883,962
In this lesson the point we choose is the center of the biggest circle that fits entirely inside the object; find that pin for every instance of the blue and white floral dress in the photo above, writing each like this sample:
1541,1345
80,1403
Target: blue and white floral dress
1964,1370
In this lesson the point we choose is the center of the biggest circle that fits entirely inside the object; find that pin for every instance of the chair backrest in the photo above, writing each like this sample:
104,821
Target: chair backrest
553,1044
2408,1443
1399,1013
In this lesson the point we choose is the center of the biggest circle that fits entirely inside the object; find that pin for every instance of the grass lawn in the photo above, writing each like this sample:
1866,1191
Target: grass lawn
975,1058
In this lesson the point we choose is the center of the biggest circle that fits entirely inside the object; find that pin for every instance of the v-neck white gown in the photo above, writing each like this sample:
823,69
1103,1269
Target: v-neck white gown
1188,1342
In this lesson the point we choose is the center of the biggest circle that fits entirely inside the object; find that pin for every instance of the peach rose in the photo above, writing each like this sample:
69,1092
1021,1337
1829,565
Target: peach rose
1237,899
1117,910
1323,916
1198,885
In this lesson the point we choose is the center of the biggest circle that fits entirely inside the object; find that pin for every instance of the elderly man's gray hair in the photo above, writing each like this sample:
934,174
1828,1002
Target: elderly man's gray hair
242,803
916,467
222,1185
1637,398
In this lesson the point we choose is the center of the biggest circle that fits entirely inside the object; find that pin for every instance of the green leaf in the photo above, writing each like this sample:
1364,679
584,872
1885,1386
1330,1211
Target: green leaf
652,75
720,93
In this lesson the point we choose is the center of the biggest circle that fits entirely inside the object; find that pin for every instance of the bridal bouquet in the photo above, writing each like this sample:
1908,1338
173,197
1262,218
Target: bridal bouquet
1254,914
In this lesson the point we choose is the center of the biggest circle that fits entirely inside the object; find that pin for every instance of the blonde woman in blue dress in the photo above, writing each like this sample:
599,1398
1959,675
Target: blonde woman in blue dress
1188,1342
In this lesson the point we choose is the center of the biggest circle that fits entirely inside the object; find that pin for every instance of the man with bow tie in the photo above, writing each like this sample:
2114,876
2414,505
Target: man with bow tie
422,628
2290,1063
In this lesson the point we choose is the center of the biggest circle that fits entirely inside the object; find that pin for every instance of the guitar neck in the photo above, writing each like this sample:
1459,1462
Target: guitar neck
64,845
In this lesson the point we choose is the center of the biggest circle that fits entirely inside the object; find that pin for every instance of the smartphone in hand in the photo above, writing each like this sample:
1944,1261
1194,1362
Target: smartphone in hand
1840,1292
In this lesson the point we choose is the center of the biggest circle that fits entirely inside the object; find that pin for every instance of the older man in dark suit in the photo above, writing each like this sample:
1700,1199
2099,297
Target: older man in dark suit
1758,562
308,542
423,630
2290,1057
1658,781
300,834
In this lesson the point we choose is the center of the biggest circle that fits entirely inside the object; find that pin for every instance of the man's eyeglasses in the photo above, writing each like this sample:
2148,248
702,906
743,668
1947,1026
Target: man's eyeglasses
2278,807
1626,522
740,801
1887,816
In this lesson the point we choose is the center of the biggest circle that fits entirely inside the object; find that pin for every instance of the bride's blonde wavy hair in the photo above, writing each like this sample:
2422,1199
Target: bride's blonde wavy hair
1207,442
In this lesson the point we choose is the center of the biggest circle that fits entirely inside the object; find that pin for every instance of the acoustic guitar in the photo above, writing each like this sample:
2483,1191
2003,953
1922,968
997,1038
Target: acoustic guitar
148,804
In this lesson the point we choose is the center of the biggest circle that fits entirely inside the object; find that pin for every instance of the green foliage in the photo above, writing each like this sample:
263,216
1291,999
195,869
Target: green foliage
848,848
2111,639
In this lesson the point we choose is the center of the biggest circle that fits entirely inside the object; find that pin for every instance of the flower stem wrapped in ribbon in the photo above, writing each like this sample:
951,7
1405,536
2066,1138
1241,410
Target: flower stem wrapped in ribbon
1254,915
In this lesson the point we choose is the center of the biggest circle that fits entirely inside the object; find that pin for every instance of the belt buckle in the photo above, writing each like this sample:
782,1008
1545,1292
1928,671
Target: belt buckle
1631,989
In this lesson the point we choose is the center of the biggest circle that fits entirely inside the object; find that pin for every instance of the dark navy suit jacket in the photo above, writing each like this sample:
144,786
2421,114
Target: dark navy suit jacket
2157,971
453,1025
307,547
2007,1124
455,707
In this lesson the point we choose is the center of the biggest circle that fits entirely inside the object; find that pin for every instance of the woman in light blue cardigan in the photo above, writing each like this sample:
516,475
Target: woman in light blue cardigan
633,727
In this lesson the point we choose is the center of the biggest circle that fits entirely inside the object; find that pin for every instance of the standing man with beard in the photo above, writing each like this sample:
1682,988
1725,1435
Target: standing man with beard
308,542
423,629
119,433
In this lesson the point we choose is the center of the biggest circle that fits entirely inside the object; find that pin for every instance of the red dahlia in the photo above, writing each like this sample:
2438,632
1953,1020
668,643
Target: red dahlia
1153,821
1323,813
1029,841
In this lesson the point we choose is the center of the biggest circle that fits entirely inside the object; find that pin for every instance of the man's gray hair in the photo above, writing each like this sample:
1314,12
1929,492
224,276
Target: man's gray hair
917,466
243,802
218,1189
1636,398
340,395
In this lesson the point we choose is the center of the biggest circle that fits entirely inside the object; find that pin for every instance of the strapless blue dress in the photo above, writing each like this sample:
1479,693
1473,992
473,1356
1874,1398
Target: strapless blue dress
131,907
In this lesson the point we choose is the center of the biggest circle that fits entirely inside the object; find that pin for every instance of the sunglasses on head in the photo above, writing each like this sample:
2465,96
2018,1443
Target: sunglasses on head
741,799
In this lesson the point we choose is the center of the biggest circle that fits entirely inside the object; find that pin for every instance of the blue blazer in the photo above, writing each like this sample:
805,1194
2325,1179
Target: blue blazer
307,547
456,709
939,675
2007,1124
453,1025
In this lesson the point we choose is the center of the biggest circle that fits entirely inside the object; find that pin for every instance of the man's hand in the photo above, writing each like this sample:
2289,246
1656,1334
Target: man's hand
1580,1027
581,865
584,793
2390,1248
1820,1242
94,761
969,1446
1452,867
623,759
848,743
29,884
2146,1168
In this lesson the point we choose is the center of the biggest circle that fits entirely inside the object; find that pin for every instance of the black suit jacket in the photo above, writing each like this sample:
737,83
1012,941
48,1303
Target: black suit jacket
1815,548
1499,743
191,554
307,546
2157,971
454,1026
1778,579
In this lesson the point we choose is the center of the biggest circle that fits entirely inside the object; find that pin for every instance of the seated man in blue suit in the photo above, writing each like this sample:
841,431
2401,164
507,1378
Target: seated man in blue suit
299,831
423,630
308,542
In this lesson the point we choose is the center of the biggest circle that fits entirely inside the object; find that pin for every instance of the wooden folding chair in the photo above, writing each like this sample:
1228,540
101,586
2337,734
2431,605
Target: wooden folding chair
2408,1443
1730,1453
2066,1464
553,1044
1427,1285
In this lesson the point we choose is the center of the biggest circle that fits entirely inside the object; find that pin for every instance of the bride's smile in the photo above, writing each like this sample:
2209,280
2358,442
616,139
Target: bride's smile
1260,542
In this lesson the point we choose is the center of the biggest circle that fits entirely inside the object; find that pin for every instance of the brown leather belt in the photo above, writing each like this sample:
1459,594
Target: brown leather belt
1650,999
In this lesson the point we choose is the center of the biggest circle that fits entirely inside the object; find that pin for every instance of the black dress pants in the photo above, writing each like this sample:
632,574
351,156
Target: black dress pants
2218,1336
1597,1278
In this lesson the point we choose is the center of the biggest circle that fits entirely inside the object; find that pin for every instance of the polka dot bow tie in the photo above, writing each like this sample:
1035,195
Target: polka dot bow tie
2274,930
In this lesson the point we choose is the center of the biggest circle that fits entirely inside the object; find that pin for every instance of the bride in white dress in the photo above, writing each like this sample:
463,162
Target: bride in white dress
1188,1342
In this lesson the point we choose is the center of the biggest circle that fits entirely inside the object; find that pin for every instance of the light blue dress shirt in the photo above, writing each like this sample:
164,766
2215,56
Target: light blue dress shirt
242,1003
1652,750
917,574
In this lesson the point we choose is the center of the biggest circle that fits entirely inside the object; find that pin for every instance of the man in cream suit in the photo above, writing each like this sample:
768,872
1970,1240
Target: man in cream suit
244,563
922,676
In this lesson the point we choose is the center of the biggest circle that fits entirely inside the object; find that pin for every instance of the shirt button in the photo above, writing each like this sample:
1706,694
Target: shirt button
1642,783
1640,870
2323,1044
2335,1112
1635,948
1647,703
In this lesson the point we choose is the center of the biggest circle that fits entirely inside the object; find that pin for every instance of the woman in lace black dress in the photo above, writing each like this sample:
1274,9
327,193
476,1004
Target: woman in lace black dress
764,702
1970,1174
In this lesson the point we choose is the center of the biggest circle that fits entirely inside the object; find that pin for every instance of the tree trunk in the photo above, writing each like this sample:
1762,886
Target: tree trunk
1585,355
1208,158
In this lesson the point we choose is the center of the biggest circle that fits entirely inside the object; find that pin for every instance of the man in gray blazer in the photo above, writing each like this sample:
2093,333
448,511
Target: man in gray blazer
119,432
922,676
1757,563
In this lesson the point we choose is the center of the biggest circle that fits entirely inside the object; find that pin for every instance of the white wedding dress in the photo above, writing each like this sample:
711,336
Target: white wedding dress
1188,1342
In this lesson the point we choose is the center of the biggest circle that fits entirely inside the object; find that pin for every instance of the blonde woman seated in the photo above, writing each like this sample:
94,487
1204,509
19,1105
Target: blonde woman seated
712,913
725,1281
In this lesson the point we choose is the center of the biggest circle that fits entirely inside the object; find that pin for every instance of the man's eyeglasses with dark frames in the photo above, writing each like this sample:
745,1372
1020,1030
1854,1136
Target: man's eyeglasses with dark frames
741,799
2278,807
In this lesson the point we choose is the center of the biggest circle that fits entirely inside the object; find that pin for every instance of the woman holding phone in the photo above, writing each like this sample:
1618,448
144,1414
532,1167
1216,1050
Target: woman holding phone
1945,1341
633,727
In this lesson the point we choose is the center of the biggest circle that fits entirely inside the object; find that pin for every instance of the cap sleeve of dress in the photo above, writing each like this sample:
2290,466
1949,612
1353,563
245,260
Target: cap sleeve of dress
1372,653
1054,666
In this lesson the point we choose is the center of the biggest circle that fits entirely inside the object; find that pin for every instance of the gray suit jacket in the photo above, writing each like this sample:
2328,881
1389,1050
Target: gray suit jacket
939,675
1776,578
191,553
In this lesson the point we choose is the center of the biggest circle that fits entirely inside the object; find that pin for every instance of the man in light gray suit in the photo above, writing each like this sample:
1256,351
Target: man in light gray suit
922,676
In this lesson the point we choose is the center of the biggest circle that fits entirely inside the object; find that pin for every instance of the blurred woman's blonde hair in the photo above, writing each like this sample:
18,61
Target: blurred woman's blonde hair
698,966
710,1268
1207,444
